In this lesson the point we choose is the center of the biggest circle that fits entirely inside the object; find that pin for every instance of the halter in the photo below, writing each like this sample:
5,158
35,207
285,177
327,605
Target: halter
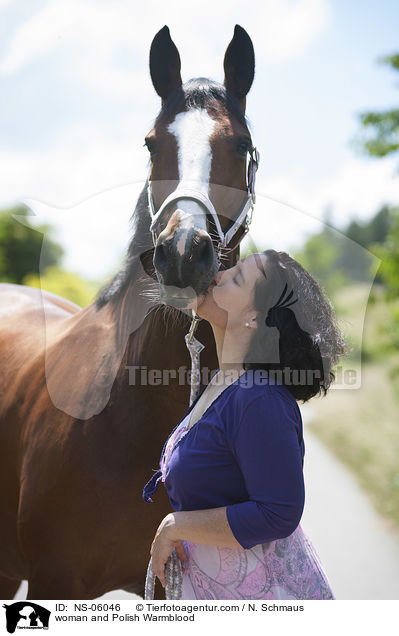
182,192
244,216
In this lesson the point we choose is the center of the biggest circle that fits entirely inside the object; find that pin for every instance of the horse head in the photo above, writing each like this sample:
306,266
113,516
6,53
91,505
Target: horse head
198,195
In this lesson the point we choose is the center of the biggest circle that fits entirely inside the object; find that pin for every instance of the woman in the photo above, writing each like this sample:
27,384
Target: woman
233,467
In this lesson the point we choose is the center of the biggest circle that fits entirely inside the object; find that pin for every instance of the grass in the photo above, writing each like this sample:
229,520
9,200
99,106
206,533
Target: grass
361,426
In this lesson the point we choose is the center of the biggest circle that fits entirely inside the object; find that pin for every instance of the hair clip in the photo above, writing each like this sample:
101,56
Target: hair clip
282,303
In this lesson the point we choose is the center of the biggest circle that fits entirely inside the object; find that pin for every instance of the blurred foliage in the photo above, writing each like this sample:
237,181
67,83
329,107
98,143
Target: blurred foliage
380,134
21,245
380,138
374,231
336,261
65,284
320,256
27,250
388,252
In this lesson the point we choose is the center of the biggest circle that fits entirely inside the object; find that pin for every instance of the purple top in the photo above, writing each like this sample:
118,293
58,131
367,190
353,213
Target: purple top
246,452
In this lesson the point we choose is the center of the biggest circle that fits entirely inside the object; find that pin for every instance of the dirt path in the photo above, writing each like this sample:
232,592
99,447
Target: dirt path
359,552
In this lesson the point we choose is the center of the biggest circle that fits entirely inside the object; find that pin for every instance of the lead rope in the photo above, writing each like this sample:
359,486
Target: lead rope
195,347
173,567
173,579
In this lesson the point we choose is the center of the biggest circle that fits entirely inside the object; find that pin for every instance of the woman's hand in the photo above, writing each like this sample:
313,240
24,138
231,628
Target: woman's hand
163,546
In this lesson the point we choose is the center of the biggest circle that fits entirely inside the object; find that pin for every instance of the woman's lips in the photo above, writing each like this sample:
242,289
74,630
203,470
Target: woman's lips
216,280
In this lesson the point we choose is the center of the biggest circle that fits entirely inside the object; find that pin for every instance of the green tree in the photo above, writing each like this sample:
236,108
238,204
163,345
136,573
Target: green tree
335,260
380,135
21,246
320,256
370,235
373,231
65,284
389,255
381,138
389,273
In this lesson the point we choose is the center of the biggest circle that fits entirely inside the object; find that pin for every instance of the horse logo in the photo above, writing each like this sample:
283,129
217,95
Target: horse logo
26,615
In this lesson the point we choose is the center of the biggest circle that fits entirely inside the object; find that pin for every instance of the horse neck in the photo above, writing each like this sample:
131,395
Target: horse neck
91,350
156,346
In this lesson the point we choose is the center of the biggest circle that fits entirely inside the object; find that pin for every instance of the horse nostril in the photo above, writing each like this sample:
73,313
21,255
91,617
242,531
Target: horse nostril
160,259
205,253
203,250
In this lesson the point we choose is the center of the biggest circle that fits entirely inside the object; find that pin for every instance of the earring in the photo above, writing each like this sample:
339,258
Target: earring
247,323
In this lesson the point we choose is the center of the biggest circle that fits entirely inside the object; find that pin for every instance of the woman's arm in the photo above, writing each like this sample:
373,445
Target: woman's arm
208,527
266,446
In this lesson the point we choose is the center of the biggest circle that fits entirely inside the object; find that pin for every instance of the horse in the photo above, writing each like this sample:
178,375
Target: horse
80,428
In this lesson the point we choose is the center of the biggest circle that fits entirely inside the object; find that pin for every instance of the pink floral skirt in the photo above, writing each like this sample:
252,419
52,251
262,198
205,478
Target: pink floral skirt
283,569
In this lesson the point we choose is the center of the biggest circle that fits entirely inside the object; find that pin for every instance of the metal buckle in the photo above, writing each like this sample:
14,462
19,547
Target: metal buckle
252,170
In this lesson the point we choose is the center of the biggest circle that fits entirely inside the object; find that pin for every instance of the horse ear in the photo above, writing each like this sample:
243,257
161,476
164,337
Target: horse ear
164,64
239,64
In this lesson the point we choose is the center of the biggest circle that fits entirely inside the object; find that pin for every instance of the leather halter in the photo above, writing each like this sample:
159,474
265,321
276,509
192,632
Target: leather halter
182,192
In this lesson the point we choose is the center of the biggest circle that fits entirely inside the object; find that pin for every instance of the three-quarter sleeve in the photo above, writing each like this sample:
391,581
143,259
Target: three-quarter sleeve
265,443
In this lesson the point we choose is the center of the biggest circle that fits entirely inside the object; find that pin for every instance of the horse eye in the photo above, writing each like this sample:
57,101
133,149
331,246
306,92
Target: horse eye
243,148
150,145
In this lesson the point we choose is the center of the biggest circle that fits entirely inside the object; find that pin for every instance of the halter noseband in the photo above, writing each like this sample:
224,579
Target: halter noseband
183,192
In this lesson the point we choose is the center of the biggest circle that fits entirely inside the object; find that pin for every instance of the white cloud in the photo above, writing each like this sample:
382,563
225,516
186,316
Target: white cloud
92,33
287,29
72,170
357,190
94,233
37,36
81,192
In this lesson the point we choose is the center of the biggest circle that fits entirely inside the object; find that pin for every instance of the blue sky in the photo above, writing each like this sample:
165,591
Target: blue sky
77,100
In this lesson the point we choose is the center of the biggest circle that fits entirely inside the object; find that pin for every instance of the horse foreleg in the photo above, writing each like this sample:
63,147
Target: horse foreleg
54,579
41,587
8,587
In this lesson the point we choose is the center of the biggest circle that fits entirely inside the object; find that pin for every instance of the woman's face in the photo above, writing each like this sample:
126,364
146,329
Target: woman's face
229,300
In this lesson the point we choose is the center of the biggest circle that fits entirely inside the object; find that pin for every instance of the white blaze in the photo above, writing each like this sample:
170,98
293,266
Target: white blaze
193,130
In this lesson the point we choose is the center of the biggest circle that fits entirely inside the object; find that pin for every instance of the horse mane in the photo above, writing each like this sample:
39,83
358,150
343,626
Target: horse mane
140,242
131,287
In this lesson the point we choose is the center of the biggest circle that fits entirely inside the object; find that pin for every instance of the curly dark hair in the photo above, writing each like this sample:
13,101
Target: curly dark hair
306,342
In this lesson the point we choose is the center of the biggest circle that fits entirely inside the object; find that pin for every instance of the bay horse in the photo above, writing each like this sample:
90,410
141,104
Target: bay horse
79,434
